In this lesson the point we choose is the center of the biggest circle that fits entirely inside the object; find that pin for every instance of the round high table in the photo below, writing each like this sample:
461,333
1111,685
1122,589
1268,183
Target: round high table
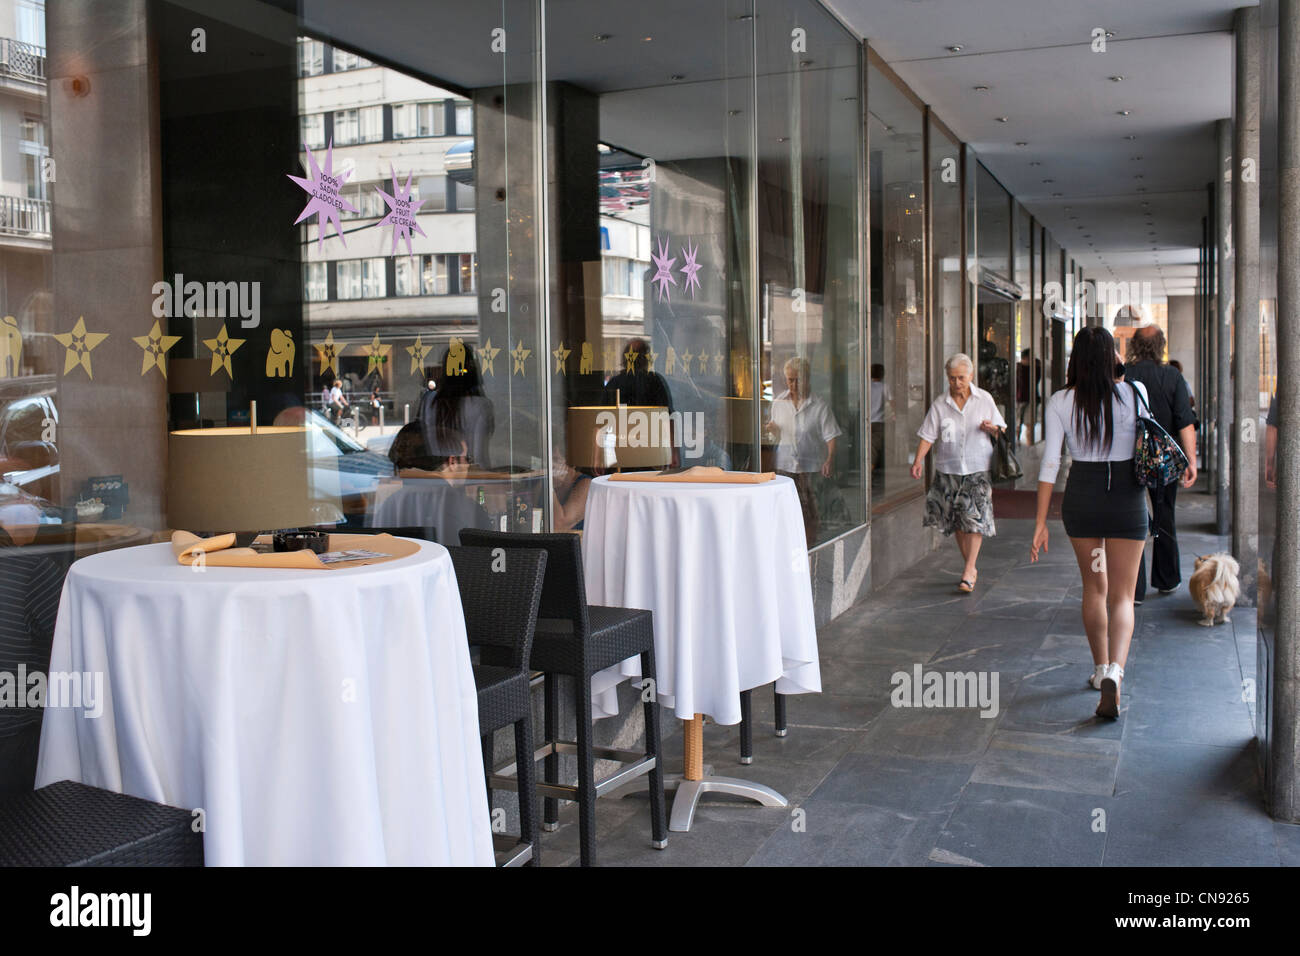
307,717
724,568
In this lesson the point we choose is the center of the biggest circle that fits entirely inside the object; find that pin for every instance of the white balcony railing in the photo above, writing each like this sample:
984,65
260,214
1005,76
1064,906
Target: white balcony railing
20,59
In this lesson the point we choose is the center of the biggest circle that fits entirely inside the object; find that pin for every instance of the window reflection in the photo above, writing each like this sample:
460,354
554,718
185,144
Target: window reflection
898,274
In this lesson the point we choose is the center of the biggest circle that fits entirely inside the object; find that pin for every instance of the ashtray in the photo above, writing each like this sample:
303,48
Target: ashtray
317,541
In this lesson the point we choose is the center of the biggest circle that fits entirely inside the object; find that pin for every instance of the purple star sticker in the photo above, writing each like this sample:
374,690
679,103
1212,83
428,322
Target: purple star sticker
691,267
663,271
323,187
402,209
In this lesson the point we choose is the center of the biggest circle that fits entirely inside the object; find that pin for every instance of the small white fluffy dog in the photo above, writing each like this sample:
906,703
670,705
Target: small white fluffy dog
1214,587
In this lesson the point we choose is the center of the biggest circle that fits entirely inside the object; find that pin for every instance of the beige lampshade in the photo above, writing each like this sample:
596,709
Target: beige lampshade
230,479
622,436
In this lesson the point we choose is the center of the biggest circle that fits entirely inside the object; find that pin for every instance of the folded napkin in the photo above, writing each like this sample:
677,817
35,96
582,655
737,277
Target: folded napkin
219,553
708,474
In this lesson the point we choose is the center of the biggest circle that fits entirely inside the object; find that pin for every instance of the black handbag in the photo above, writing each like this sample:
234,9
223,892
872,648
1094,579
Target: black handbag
1158,460
1005,466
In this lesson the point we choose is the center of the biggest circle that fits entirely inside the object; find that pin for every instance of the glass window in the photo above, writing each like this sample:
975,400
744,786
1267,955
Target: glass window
464,198
433,190
346,128
311,57
373,283
31,130
808,196
315,281
900,397
947,273
372,124
313,130
29,16
348,279
406,275
464,119
435,275
468,274
343,60
996,311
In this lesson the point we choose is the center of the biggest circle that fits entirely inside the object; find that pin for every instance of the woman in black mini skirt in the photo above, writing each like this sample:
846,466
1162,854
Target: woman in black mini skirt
1104,510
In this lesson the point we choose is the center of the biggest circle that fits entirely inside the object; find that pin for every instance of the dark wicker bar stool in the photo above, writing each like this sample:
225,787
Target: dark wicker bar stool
500,600
747,723
577,640
71,824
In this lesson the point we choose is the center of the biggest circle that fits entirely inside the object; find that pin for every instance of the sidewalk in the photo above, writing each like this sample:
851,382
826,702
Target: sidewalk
1173,782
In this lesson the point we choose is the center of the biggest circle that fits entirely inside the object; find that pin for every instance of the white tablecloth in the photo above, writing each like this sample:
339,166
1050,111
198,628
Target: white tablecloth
725,570
316,717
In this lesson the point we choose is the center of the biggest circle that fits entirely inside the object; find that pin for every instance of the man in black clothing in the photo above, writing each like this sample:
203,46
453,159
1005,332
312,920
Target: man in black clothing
1170,402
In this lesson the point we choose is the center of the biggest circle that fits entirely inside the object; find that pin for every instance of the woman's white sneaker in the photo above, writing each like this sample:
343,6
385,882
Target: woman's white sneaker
1110,682
1098,673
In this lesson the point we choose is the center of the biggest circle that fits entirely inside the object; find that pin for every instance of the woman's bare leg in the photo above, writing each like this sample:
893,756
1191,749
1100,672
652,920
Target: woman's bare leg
1091,555
1123,556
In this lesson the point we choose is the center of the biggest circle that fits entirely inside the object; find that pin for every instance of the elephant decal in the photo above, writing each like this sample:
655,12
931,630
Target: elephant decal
456,357
11,348
279,357
584,364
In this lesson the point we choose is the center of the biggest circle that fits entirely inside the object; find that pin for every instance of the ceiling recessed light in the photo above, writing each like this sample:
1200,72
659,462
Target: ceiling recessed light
646,39
783,139
1057,195
1035,163
1138,176
1048,182
1141,189
1003,119
1123,112
676,76
980,89
733,112
1130,137
745,16
1110,34
1116,79
1022,143
1135,159
955,48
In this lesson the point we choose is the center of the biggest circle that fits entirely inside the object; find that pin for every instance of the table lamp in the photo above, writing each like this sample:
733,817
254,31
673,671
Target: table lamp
242,480
623,436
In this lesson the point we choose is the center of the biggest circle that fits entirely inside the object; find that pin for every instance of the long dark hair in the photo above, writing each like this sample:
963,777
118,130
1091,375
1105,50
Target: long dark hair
1092,376
448,420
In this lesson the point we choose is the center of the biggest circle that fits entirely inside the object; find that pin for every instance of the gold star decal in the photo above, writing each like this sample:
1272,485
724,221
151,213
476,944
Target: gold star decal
155,346
487,355
686,362
79,342
376,354
704,362
630,357
520,354
329,354
717,363
650,359
223,346
562,358
418,353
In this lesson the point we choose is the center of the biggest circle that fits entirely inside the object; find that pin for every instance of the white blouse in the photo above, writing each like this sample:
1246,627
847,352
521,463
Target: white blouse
1060,425
961,447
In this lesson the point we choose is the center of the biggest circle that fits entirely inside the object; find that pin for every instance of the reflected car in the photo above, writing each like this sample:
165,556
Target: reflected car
341,467
27,460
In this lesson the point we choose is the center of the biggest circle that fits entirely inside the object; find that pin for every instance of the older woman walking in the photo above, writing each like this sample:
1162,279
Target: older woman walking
1104,508
960,425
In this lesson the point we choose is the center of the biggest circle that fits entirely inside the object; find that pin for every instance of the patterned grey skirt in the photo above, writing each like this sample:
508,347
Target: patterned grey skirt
960,503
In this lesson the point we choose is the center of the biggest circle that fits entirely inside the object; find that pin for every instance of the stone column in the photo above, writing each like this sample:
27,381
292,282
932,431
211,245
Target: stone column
1221,409
1245,236
1284,743
103,99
